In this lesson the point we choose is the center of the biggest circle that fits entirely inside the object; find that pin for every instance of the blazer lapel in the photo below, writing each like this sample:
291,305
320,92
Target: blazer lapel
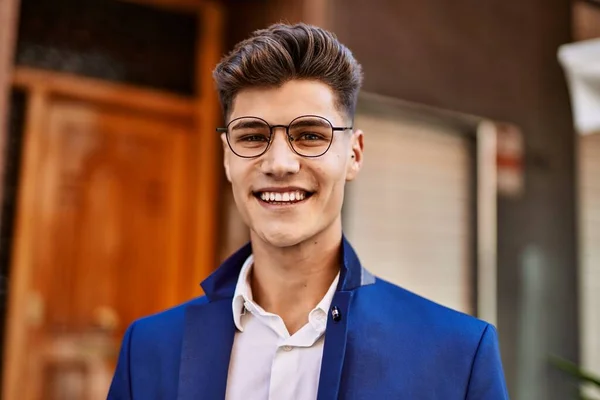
352,276
334,348
206,349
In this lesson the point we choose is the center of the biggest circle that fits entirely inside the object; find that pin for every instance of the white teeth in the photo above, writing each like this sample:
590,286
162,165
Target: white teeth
283,197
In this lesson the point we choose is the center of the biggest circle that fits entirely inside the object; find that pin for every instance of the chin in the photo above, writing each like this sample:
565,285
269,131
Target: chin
283,237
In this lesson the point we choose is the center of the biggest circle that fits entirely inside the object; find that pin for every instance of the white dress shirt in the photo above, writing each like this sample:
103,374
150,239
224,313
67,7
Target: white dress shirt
266,362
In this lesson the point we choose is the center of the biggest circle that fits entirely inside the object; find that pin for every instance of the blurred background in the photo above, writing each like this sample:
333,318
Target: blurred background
481,186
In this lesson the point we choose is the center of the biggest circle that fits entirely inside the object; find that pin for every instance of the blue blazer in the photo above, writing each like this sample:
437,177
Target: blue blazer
387,343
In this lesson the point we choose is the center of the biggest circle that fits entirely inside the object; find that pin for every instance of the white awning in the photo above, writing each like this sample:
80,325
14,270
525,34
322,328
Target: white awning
581,62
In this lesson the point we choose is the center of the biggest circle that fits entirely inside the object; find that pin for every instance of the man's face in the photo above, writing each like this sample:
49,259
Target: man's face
316,185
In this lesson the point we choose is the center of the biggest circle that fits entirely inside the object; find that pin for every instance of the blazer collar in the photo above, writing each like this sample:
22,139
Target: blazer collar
209,329
221,283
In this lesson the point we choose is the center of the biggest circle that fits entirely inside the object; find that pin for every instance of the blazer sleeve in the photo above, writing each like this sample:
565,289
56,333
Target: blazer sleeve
487,377
120,388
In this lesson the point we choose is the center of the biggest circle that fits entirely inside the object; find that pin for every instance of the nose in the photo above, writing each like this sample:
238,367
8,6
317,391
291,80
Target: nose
280,160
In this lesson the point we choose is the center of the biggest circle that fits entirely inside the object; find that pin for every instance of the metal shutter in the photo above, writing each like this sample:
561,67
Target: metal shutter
407,214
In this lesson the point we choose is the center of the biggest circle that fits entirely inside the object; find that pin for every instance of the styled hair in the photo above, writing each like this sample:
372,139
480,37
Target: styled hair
273,56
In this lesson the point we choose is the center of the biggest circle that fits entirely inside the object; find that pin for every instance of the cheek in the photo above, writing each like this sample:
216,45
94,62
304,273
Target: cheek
239,187
239,178
238,169
332,177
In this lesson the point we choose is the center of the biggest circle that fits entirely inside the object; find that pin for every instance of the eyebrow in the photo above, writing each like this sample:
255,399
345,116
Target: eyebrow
304,122
249,124
310,122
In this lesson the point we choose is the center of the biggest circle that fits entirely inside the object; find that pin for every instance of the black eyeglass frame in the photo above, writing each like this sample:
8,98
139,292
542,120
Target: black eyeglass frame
334,129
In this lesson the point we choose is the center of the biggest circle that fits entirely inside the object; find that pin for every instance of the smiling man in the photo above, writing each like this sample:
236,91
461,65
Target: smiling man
293,314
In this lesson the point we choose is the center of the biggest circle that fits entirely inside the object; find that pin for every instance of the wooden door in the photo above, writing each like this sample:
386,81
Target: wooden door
109,244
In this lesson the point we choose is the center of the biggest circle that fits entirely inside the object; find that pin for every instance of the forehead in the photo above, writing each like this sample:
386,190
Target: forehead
280,105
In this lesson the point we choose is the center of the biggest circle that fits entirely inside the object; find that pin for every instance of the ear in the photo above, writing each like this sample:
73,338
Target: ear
226,156
355,155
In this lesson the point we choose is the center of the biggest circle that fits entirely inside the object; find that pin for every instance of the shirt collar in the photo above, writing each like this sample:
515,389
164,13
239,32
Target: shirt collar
325,302
243,294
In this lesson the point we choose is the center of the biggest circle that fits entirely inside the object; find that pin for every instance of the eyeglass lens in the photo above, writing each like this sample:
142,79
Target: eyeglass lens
308,136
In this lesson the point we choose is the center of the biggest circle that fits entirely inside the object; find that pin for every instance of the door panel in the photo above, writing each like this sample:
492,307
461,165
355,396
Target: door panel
110,239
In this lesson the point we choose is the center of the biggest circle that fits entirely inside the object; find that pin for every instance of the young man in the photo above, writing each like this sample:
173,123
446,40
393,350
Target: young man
294,315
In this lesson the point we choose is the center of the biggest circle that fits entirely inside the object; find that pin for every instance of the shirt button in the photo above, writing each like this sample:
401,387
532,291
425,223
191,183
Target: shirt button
286,348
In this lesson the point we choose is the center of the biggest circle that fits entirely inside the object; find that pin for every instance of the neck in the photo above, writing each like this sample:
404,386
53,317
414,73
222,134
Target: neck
291,281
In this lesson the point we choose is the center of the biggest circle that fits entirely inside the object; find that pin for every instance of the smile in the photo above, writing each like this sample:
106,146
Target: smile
283,198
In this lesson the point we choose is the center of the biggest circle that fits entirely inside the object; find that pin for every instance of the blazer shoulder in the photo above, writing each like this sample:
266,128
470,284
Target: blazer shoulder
400,306
150,355
169,321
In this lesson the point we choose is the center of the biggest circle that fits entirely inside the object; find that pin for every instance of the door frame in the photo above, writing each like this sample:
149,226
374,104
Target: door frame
9,15
203,113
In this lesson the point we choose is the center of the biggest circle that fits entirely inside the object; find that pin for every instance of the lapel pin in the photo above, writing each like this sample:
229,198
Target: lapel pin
336,314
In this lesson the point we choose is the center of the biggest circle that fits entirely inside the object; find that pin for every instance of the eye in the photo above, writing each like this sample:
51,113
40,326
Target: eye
309,136
253,138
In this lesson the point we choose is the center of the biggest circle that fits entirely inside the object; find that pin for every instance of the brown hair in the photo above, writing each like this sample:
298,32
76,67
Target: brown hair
280,53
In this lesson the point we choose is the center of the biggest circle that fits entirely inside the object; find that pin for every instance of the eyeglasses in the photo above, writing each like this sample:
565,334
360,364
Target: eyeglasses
308,135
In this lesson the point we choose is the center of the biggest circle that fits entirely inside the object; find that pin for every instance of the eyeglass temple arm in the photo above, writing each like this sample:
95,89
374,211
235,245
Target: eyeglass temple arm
335,128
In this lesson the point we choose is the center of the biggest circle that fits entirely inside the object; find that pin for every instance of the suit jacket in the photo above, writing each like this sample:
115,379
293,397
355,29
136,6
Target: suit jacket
386,343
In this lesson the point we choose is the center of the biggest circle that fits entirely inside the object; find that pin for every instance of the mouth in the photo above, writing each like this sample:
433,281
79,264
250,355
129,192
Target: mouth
282,198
